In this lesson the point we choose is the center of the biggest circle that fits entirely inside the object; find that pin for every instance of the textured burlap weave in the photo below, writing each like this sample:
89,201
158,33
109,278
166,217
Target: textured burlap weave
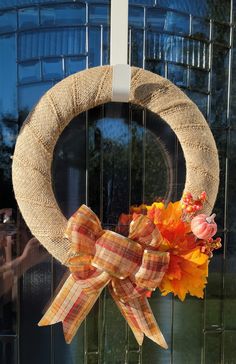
35,145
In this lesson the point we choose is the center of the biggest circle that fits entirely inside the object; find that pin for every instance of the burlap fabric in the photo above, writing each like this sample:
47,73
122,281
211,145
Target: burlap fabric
33,155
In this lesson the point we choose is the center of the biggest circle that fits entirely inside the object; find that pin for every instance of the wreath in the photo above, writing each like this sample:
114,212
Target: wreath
153,255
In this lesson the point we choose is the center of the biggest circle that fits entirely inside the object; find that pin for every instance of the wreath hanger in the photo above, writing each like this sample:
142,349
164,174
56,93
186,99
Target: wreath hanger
119,51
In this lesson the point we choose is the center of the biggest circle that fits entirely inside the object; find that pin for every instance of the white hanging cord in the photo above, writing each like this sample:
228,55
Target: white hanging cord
119,51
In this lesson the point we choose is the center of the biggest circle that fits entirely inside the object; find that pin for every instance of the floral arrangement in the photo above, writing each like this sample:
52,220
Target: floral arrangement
186,236
169,249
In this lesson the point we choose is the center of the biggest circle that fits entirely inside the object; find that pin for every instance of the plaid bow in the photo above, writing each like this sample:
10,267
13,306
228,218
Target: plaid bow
129,266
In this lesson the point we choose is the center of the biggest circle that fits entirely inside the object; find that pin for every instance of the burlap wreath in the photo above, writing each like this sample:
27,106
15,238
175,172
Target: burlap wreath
82,91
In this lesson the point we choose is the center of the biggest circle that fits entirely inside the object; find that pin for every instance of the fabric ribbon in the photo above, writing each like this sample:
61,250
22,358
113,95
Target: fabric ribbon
129,266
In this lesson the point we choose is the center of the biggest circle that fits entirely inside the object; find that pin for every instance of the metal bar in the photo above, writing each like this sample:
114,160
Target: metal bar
144,155
228,114
210,73
101,45
51,327
144,37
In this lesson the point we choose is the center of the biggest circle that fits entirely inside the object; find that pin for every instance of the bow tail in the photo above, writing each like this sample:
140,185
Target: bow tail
77,314
130,317
140,318
71,306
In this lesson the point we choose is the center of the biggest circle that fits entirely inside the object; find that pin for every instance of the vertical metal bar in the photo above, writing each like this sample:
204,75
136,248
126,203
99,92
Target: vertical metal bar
101,212
182,50
126,343
177,48
41,69
210,71
208,114
101,45
230,63
127,334
166,69
204,56
227,170
144,122
171,49
86,34
144,155
172,330
140,355
102,297
17,62
18,289
86,115
144,37
193,53
159,46
154,46
225,245
188,51
51,327
190,24
130,152
130,46
63,66
101,325
87,202
198,53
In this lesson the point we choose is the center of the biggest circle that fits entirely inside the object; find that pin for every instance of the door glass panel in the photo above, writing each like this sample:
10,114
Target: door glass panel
126,162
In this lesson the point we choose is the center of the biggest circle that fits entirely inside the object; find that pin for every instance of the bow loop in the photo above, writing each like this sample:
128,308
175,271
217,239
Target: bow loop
83,229
143,230
127,289
154,265
117,255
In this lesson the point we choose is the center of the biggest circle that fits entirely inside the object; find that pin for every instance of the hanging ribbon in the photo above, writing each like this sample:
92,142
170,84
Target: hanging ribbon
119,51
129,266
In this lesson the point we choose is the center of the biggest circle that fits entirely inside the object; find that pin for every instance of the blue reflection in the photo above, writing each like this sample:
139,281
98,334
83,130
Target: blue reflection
98,14
29,95
8,21
51,42
63,15
52,68
29,71
8,76
28,18
218,9
8,132
116,130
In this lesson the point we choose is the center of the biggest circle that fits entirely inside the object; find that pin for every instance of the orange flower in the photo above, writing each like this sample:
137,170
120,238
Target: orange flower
169,221
184,276
188,268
